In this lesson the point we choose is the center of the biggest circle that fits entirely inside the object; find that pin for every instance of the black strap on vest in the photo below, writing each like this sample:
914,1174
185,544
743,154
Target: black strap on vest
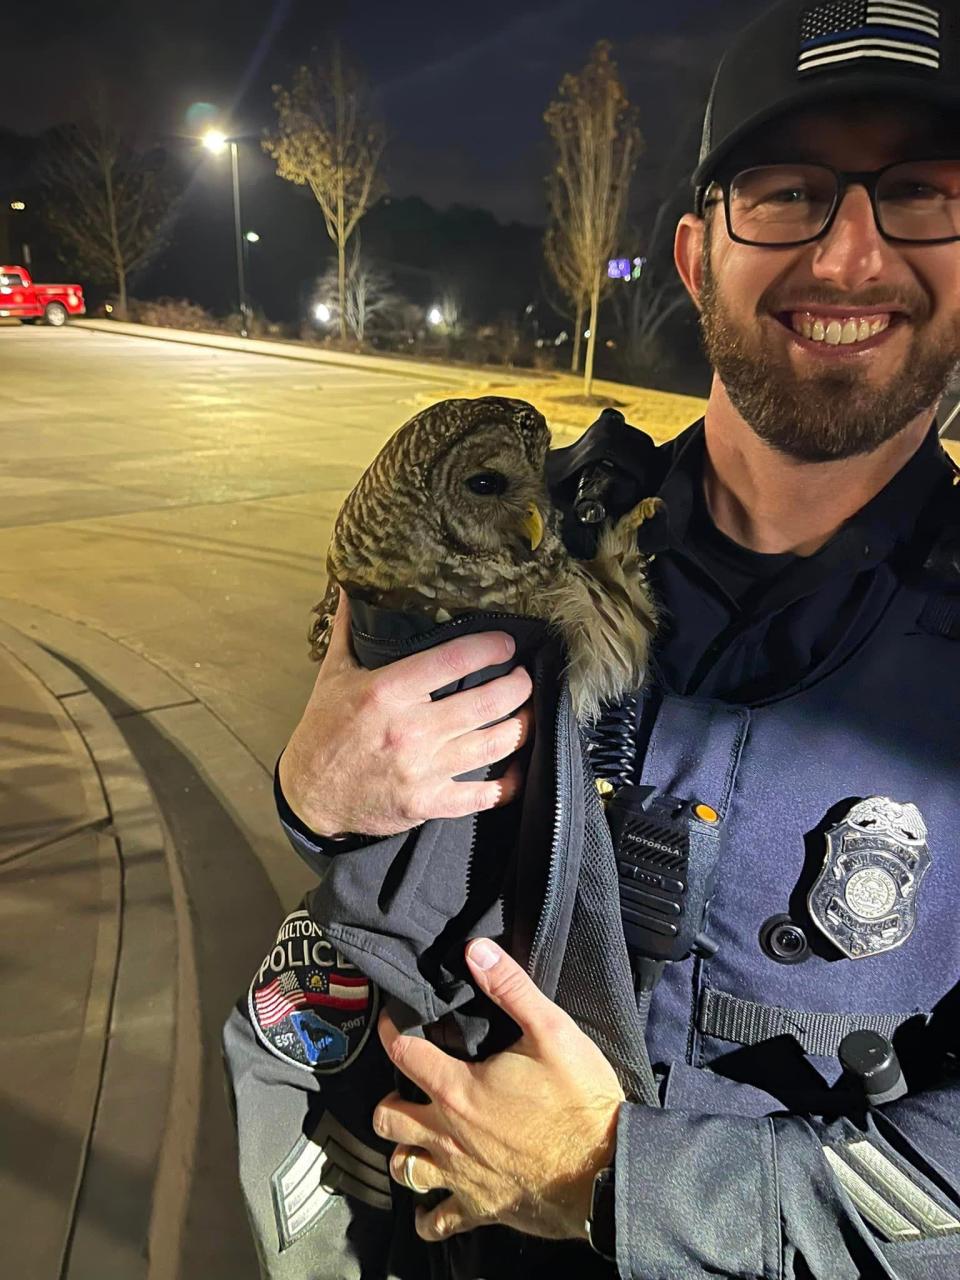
745,1022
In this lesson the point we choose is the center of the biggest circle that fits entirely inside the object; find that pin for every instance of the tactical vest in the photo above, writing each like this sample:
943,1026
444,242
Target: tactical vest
877,718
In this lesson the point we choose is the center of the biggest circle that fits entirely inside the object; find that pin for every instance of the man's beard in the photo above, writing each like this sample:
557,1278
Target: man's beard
837,413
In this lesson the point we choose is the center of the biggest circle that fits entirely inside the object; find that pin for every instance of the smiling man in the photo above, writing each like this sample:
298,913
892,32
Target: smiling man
873,327
765,1085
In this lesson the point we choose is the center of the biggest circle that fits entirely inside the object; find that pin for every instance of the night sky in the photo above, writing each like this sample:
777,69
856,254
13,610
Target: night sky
462,87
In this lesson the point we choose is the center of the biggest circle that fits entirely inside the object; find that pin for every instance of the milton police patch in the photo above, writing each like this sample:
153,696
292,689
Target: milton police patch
307,1003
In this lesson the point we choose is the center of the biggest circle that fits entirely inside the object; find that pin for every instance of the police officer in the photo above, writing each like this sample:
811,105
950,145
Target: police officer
804,701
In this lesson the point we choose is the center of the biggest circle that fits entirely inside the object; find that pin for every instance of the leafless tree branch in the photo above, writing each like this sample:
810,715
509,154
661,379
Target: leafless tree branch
369,299
107,203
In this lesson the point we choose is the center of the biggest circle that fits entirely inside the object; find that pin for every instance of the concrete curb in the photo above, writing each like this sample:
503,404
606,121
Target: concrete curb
397,365
161,1075
134,685
139,992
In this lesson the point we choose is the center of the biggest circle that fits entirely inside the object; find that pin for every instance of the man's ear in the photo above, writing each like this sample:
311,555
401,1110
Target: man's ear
688,254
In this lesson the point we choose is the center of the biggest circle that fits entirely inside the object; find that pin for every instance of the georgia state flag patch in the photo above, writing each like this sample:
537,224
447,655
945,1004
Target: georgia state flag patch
308,1005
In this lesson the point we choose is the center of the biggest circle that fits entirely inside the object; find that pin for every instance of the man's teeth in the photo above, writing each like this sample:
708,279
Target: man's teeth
836,333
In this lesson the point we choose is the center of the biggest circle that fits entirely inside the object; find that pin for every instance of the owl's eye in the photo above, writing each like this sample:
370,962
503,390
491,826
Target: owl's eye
487,482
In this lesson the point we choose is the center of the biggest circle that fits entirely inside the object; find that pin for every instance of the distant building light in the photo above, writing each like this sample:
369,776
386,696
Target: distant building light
321,312
252,237
435,316
619,268
17,205
561,338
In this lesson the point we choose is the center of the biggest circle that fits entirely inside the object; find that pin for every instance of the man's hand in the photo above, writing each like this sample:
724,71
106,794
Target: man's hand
517,1139
373,754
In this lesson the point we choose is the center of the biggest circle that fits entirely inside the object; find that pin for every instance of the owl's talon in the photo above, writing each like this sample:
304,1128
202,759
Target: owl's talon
644,510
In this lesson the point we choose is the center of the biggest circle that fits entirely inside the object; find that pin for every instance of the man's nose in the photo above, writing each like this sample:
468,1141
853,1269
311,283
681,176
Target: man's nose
851,253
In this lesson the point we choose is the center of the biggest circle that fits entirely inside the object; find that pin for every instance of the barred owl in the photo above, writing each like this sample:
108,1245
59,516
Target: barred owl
453,516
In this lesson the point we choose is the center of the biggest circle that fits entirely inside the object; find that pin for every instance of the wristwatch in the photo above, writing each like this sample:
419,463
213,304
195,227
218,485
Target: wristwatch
602,1223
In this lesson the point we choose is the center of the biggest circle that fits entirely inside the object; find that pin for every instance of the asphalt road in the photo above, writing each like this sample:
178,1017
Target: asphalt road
180,500
173,503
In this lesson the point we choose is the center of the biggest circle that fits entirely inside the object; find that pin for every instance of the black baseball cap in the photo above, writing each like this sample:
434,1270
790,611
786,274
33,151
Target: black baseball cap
807,52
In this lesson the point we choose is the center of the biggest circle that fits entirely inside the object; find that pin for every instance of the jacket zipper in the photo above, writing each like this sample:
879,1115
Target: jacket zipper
456,622
557,869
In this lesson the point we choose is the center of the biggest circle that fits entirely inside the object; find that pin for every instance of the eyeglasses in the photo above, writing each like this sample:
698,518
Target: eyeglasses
781,205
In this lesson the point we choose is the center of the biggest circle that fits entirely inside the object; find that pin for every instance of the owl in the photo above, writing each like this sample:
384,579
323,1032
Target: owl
453,516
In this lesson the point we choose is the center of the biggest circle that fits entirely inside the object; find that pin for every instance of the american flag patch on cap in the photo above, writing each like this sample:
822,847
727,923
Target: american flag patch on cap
849,31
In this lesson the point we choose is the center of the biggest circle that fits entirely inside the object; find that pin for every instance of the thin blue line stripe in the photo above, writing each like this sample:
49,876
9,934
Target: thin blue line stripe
907,35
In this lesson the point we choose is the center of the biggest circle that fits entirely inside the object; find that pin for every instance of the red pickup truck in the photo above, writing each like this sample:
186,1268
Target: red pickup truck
21,299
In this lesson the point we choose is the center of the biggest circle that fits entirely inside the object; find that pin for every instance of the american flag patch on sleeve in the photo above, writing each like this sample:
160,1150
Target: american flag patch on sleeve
845,31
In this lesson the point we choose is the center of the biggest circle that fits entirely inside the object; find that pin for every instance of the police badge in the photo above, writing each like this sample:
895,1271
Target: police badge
865,898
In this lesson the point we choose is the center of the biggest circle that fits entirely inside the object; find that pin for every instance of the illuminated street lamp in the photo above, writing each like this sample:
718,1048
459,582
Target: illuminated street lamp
252,238
217,143
435,316
18,206
321,312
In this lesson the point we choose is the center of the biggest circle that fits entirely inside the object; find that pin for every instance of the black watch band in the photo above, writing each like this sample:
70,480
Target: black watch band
602,1223
330,846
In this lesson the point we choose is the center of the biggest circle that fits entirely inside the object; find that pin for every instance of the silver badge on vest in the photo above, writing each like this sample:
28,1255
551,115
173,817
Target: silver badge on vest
865,898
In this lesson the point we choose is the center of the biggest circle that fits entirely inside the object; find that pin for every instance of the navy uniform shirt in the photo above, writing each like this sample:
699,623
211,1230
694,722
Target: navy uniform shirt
755,625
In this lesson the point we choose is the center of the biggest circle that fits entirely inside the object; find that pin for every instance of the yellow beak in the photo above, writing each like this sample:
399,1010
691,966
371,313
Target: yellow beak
533,526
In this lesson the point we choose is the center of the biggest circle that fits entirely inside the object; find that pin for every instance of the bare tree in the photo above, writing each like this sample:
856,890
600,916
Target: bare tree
598,140
564,264
658,295
370,298
655,303
107,203
368,295
329,140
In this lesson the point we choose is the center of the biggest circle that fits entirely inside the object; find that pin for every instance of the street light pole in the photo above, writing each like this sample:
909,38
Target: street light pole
216,142
241,289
